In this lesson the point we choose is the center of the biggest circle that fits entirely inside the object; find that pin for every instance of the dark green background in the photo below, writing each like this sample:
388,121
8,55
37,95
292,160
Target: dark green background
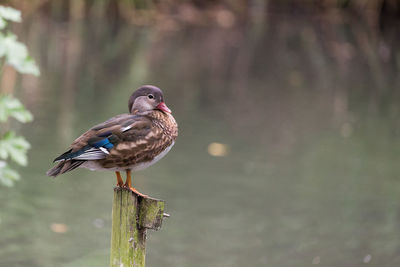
306,99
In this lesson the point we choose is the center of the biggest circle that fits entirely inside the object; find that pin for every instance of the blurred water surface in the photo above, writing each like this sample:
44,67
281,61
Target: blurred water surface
301,113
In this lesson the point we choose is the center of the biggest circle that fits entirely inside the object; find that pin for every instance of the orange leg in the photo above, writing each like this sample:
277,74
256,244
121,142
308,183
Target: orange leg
128,184
120,182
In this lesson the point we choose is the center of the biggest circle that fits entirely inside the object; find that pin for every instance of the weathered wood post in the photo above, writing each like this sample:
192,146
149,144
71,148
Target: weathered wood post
132,215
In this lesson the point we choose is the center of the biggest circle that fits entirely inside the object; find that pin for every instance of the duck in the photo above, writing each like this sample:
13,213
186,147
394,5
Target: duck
126,142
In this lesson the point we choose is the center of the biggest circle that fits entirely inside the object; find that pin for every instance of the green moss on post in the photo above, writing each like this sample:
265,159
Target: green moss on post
132,215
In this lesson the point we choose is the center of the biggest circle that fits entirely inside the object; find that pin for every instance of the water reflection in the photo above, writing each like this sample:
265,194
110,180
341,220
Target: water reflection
303,110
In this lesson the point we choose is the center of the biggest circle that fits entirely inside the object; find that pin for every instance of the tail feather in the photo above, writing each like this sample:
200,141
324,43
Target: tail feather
64,166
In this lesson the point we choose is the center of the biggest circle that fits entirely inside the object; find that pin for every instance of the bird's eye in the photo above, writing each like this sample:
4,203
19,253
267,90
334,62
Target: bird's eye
150,96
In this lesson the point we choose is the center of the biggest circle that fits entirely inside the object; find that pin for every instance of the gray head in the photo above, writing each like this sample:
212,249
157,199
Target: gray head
147,98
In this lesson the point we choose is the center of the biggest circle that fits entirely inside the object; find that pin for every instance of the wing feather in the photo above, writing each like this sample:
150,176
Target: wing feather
96,143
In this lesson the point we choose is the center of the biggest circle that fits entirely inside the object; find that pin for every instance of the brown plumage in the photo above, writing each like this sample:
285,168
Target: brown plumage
125,142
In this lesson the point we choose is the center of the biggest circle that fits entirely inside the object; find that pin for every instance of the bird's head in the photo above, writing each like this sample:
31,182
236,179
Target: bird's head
147,98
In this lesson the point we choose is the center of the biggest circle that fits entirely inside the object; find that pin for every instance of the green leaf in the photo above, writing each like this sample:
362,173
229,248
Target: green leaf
7,175
15,147
10,106
10,13
2,46
28,66
3,23
16,55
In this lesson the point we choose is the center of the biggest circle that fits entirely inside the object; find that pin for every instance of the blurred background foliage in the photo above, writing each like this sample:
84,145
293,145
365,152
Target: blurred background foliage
15,54
289,128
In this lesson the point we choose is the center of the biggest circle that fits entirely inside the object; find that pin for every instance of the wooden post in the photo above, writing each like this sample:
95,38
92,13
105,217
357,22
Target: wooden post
132,215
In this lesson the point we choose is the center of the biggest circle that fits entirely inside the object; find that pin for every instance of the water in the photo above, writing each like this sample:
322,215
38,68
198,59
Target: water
306,110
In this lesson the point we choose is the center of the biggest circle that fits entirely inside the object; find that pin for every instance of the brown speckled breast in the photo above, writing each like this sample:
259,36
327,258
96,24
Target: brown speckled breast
133,149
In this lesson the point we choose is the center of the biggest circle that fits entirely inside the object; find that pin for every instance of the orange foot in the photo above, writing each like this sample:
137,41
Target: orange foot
128,184
134,190
120,182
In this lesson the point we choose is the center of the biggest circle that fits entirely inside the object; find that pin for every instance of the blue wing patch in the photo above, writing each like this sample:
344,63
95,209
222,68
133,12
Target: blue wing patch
103,143
92,151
